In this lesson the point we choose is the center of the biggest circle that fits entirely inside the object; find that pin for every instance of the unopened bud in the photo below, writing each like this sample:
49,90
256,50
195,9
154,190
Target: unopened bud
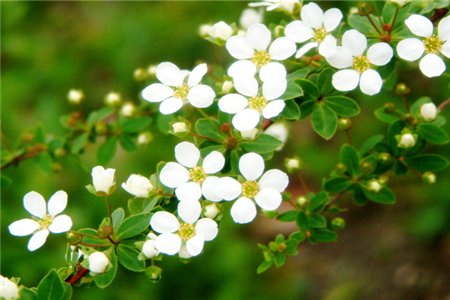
221,30
402,89
293,165
60,152
145,138
366,166
340,168
429,178
113,99
364,9
128,109
303,202
211,211
8,289
387,27
345,123
151,70
282,247
225,127
227,86
384,157
204,29
338,223
101,128
389,108
104,231
75,96
140,74
27,137
399,3
149,249
98,262
230,143
374,186
74,238
406,140
428,111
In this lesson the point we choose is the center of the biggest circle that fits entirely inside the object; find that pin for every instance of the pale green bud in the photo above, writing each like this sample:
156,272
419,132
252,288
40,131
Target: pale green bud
113,99
75,96
145,138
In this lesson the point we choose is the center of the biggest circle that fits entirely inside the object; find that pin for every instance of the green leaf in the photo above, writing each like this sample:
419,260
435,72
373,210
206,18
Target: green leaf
128,257
45,161
39,135
362,24
150,203
318,200
303,221
135,206
291,111
350,157
317,221
342,106
50,287
107,151
306,108
127,143
370,143
224,117
280,258
117,217
5,181
209,128
395,129
105,279
415,108
67,291
427,162
264,143
337,184
325,236
293,90
301,73
324,81
382,115
324,120
135,124
433,134
310,90
28,294
289,216
264,266
133,225
298,235
358,196
96,116
79,143
384,196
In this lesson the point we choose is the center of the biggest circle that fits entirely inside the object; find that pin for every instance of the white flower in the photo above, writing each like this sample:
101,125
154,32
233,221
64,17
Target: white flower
266,191
249,17
75,96
98,262
316,27
191,232
251,103
138,185
177,87
253,53
103,180
428,111
190,180
278,131
286,5
351,55
47,222
8,289
407,140
221,30
149,248
412,49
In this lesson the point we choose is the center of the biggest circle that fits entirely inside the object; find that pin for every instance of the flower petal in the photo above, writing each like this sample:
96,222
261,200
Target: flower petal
228,188
170,105
239,47
207,228
242,68
380,54
168,243
312,15
331,19
251,166
410,49
444,29
298,31
302,51
189,211
232,103
345,80
57,203
201,96
60,224
243,211
274,88
271,71
328,46
246,85
445,49
420,25
170,74
38,239
209,189
23,227
246,119
195,245
213,162
197,74
157,92
355,42
370,82
274,179
273,109
258,36
164,222
282,48
342,58
35,204
432,65
173,175
187,154
268,199
188,191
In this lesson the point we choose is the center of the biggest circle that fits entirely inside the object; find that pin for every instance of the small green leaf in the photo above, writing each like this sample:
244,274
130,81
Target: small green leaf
325,236
383,116
358,196
350,157
324,81
317,221
98,115
133,225
289,216
384,196
117,217
433,134
301,73
291,111
342,106
298,235
264,266
128,257
427,162
395,129
369,144
135,124
67,291
362,24
150,203
28,294
264,143
135,206
293,90
310,90
303,221
39,135
318,200
127,143
79,142
324,120
107,151
280,258
337,184
306,108
93,240
50,287
45,161
209,128
105,279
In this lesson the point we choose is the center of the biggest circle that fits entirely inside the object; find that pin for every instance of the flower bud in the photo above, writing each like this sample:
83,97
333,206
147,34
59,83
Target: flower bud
293,165
104,231
145,138
128,109
179,127
402,89
385,157
75,96
204,29
428,111
74,238
429,178
154,273
374,186
366,166
399,3
101,128
249,17
387,27
406,140
345,123
249,134
221,30
225,127
98,262
389,108
138,185
113,99
338,223
8,289
151,70
227,86
211,211
340,168
303,202
364,9
140,74
103,180
149,249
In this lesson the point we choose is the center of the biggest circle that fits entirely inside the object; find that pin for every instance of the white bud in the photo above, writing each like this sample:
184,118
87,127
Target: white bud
179,127
221,30
128,109
249,134
399,3
149,249
75,96
227,86
249,17
428,111
138,185
407,140
152,70
353,10
211,211
374,186
98,262
279,131
8,289
204,30
103,180
113,99
145,138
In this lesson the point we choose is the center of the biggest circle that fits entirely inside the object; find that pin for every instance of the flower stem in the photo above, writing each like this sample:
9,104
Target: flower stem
444,104
394,19
373,24
303,182
81,272
347,134
406,105
110,214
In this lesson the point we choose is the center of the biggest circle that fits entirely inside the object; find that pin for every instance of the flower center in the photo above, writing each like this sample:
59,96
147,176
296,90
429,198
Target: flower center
261,58
257,103
186,231
45,222
250,189
361,64
320,35
198,174
433,45
181,92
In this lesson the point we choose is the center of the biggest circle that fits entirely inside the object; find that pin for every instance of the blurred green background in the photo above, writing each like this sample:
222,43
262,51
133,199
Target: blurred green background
400,251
